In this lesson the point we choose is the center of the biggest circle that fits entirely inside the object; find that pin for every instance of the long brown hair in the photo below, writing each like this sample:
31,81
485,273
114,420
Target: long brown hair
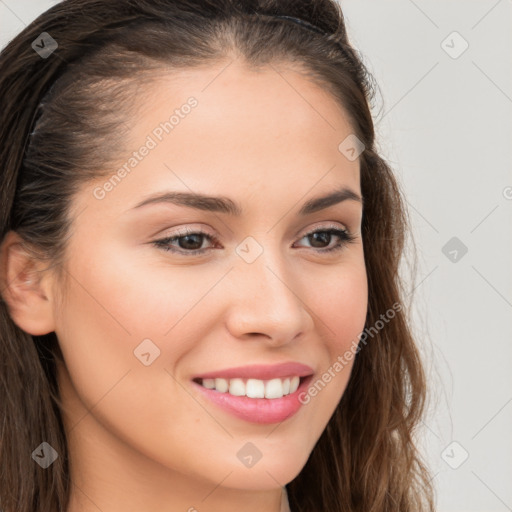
62,115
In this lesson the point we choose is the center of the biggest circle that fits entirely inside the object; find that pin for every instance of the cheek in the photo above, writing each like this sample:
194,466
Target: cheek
345,309
112,310
340,299
341,307
122,312
131,294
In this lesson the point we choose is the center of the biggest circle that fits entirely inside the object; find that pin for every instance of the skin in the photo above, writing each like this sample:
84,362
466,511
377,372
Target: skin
141,437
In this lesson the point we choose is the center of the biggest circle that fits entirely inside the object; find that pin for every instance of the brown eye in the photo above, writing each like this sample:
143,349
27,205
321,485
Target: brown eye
321,237
189,242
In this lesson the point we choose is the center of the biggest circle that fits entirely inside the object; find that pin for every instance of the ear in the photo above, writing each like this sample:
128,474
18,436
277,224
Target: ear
25,287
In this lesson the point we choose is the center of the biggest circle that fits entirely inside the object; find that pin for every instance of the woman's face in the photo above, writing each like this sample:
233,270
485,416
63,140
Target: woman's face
141,320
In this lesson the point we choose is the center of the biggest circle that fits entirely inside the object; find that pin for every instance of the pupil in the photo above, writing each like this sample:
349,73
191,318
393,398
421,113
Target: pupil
322,235
188,237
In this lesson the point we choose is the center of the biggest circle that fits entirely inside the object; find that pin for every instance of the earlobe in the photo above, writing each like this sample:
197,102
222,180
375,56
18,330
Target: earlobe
25,287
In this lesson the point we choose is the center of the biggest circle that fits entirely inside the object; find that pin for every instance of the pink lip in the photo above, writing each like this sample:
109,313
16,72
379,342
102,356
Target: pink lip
257,410
260,371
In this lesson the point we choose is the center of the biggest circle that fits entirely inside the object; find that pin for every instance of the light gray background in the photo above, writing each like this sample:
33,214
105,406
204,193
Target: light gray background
445,125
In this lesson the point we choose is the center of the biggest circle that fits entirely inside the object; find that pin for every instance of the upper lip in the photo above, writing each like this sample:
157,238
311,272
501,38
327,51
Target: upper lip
260,371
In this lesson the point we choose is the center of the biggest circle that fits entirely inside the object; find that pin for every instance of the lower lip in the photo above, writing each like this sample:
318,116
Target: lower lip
258,410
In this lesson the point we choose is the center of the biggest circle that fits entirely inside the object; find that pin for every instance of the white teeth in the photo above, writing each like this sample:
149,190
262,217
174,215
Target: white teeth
274,389
286,386
237,387
254,388
294,384
221,385
209,383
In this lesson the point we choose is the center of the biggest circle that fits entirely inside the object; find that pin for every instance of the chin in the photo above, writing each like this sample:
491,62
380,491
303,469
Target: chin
265,475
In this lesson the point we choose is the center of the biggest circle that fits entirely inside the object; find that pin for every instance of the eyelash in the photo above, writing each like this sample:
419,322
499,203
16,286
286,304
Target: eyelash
344,235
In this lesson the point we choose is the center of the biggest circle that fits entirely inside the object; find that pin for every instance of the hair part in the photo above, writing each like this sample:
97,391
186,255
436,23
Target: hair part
64,122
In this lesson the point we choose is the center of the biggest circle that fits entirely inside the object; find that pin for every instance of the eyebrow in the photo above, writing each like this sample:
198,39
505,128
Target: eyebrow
222,204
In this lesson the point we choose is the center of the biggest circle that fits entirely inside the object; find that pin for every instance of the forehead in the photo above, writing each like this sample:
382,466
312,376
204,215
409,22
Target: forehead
227,126
273,100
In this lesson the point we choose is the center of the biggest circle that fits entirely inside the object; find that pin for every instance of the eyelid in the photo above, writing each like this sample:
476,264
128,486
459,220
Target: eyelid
163,243
320,226
188,230
194,228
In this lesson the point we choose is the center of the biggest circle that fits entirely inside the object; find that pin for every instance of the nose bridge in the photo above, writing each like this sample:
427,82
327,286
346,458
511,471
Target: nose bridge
265,300
268,282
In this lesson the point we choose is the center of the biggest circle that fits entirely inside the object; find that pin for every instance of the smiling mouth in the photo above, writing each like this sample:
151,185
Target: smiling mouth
254,388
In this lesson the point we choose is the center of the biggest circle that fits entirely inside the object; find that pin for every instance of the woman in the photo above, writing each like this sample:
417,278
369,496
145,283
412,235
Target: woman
200,246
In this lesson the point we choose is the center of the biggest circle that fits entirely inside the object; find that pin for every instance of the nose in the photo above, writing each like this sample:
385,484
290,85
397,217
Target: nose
266,301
